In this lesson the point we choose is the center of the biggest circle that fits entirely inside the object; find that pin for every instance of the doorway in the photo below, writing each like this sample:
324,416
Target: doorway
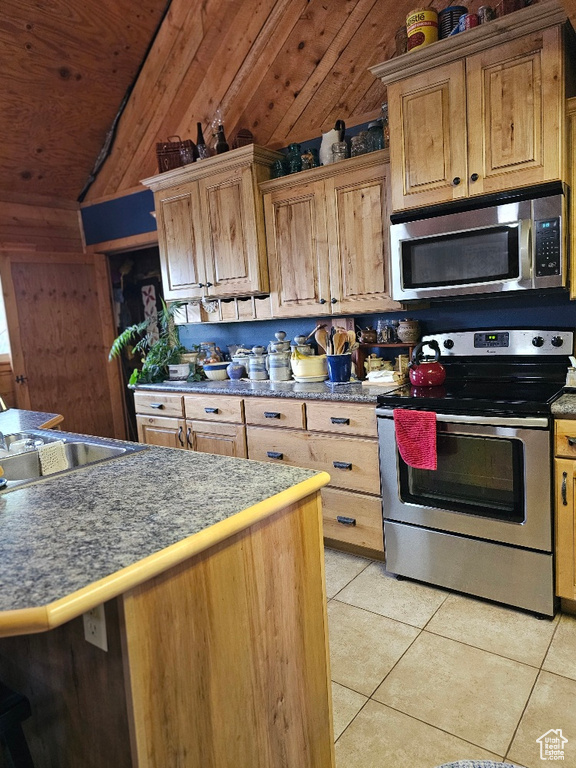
136,293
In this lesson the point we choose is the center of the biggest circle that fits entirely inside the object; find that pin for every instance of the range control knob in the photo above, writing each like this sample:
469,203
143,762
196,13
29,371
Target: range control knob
557,341
448,343
538,341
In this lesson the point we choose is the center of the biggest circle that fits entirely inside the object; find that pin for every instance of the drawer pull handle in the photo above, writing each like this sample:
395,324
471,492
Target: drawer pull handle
571,441
341,465
271,415
189,437
180,431
211,410
564,478
336,420
274,455
158,406
346,520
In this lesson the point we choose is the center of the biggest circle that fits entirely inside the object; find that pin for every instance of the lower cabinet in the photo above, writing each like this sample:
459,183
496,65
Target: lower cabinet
339,438
565,513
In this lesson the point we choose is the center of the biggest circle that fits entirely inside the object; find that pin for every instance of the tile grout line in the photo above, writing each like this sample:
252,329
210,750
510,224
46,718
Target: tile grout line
522,714
437,728
374,613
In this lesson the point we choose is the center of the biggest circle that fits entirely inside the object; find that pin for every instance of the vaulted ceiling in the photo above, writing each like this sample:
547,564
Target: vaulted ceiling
284,69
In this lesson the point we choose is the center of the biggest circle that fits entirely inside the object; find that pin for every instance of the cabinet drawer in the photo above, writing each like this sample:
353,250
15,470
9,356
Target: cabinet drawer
565,438
353,518
344,418
214,408
351,462
158,404
274,412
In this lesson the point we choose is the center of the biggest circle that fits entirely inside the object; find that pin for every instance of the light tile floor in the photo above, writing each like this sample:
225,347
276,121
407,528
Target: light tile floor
423,676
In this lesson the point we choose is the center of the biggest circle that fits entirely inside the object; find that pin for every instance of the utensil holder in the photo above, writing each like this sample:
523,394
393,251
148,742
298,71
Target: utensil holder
339,367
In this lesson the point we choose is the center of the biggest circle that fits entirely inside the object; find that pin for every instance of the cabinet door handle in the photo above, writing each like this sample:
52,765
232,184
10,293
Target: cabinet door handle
209,285
338,420
333,301
345,520
180,431
271,415
200,285
321,301
189,437
564,478
474,177
341,465
158,406
211,410
456,181
274,455
571,441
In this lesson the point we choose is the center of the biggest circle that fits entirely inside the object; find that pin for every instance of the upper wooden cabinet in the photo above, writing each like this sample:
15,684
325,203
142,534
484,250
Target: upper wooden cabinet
478,113
211,225
327,239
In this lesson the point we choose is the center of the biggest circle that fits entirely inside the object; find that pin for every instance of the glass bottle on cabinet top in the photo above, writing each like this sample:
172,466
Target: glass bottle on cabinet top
203,150
221,143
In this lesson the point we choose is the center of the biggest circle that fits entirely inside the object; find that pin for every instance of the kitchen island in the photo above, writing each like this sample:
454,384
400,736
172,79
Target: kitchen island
210,570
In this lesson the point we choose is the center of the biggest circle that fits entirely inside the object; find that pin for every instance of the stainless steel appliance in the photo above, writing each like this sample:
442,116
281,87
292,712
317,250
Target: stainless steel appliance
481,523
500,243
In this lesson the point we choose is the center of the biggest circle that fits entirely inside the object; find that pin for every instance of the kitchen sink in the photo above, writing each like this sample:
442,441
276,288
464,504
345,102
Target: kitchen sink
25,467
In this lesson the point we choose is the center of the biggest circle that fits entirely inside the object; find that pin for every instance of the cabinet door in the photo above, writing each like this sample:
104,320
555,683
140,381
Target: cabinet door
297,242
157,430
565,529
427,115
357,217
180,242
222,439
515,113
234,253
571,144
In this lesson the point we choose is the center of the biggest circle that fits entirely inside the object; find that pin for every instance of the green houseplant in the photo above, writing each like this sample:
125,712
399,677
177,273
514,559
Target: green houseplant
156,355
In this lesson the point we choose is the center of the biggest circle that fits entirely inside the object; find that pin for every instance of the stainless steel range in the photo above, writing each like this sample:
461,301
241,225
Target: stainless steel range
481,523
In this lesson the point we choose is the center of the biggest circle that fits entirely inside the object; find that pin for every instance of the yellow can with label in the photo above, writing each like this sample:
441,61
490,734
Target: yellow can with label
422,28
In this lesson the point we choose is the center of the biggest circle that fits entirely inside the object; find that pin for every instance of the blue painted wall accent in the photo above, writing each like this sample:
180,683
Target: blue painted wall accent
521,310
122,217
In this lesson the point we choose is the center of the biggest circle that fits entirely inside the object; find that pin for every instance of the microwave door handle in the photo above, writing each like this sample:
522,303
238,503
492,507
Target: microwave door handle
526,278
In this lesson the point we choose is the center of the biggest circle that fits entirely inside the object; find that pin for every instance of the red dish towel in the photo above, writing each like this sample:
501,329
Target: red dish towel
416,437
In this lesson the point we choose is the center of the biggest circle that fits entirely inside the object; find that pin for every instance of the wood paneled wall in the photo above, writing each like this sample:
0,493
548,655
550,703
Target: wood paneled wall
38,223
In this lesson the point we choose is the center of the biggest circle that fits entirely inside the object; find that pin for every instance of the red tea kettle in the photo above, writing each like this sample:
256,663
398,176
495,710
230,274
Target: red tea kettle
424,372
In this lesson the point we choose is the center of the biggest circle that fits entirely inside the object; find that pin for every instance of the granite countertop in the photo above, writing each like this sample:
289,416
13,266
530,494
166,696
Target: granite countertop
351,393
565,406
15,420
68,531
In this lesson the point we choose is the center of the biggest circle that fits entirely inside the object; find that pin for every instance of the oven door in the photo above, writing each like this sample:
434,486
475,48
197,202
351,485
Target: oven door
492,480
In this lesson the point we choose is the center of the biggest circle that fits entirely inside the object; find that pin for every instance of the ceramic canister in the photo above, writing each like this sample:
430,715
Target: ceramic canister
278,364
257,368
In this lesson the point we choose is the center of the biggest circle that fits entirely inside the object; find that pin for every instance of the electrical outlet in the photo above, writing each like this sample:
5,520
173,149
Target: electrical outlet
95,627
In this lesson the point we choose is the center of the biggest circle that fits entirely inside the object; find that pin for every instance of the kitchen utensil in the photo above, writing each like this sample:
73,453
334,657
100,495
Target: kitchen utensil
424,372
340,337
321,338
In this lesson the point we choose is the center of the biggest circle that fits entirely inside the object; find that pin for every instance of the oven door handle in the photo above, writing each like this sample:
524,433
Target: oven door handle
525,246
491,421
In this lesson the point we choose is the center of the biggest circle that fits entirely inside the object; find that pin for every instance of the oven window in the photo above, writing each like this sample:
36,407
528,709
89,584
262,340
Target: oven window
460,259
476,475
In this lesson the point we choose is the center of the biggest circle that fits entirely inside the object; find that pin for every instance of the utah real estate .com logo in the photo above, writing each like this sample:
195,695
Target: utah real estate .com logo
552,744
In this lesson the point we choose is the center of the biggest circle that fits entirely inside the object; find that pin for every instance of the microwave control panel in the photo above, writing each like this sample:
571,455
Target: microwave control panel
547,246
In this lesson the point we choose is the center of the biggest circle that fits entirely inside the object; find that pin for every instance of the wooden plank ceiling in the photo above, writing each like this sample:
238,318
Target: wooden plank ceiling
285,69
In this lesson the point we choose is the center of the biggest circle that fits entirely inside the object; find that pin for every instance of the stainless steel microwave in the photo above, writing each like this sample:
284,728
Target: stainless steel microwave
511,243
